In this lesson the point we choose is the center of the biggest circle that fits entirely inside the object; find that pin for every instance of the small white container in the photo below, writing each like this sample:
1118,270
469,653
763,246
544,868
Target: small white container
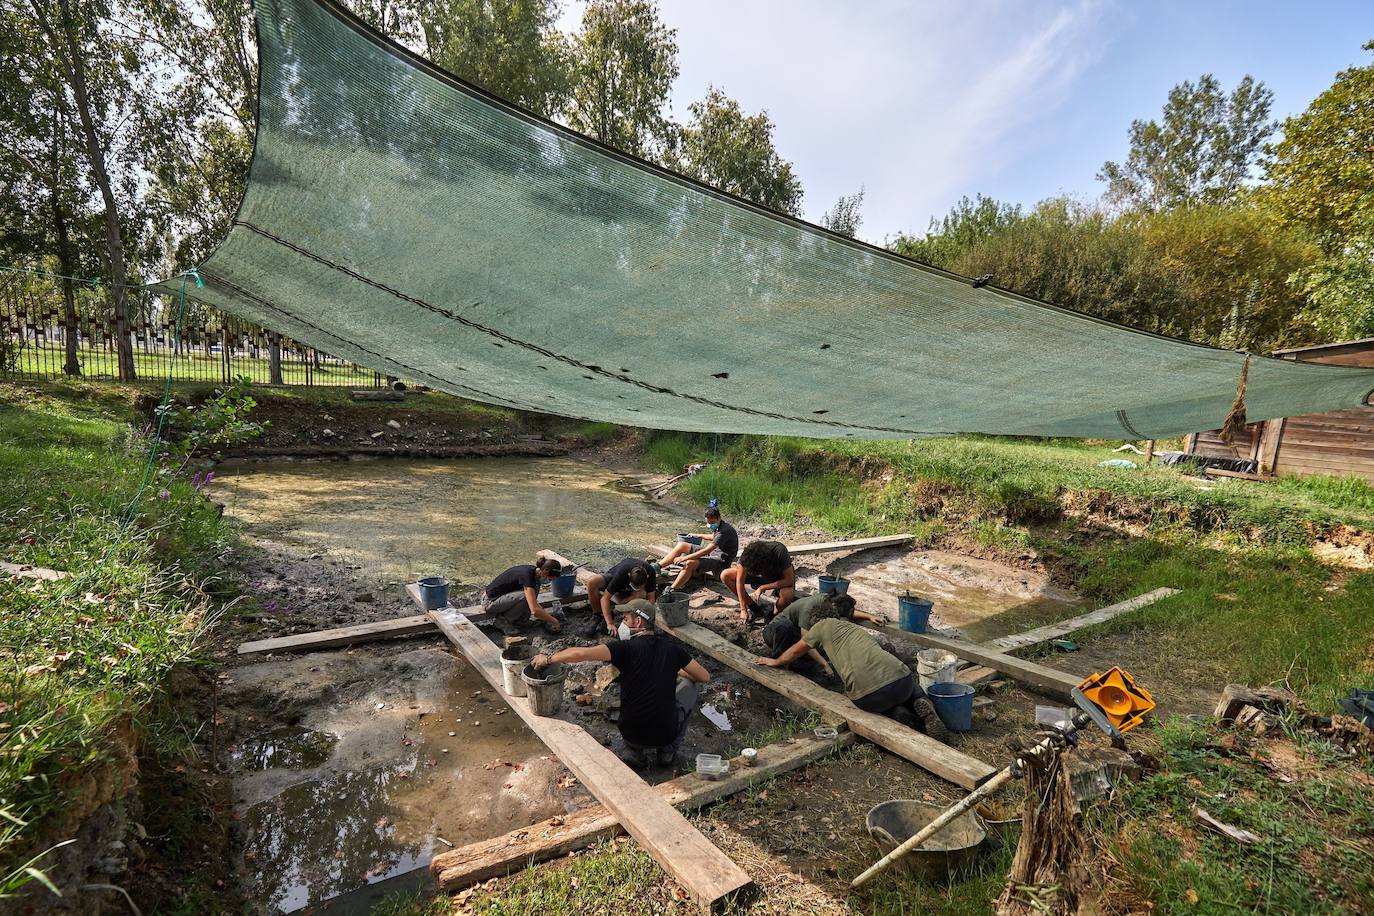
827,732
712,766
749,756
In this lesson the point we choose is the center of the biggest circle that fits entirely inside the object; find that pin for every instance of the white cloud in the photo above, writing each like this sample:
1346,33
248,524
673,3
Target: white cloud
918,102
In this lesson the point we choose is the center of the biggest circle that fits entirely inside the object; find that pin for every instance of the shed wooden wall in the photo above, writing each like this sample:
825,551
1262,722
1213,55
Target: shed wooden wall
1340,442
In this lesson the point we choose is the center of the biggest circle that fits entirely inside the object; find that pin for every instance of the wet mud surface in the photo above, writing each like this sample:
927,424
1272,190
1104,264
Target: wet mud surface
345,773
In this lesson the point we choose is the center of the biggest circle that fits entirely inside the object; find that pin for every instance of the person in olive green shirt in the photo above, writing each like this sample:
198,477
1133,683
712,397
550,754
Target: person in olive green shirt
788,625
874,679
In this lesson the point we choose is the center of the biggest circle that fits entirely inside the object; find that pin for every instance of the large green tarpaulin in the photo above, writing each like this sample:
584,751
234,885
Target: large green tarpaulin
400,218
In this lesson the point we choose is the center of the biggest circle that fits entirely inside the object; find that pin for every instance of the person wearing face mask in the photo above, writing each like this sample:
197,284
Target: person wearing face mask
659,684
513,596
630,578
713,557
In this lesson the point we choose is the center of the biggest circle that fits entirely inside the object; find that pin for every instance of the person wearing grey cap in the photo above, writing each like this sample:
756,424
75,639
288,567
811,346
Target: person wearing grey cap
658,684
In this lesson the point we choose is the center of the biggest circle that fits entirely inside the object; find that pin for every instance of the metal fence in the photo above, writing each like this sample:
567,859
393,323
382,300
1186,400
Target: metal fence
39,340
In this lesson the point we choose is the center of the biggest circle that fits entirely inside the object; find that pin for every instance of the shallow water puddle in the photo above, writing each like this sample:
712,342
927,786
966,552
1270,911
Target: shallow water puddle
466,519
288,747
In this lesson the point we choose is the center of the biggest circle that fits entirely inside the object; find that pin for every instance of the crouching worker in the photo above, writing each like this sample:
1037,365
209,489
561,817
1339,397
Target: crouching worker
513,596
626,580
874,679
710,559
658,685
767,566
791,624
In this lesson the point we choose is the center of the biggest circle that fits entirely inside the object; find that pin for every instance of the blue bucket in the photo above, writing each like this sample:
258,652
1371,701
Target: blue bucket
434,592
837,584
953,704
913,613
563,586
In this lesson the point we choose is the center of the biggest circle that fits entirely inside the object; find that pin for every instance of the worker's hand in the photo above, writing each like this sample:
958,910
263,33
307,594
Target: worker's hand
829,671
766,662
541,660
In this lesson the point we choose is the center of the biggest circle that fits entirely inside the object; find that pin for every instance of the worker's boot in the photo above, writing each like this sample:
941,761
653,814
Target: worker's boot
930,719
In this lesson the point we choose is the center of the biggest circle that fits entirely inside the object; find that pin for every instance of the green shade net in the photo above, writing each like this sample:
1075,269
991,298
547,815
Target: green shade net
402,219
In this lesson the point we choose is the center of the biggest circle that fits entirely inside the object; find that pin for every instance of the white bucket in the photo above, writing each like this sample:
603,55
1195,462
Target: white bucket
935,666
511,668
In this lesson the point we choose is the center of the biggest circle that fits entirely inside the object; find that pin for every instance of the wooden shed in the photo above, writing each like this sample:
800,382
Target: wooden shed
1338,443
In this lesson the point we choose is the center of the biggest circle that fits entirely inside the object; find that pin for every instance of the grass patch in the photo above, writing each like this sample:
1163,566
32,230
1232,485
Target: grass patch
85,659
1315,853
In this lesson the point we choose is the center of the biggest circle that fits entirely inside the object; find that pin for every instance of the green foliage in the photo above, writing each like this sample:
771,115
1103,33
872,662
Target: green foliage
1321,179
220,421
967,223
86,656
1203,151
624,64
845,217
509,47
730,150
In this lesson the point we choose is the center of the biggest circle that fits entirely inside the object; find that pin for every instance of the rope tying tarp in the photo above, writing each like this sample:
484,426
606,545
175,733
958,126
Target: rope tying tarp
415,224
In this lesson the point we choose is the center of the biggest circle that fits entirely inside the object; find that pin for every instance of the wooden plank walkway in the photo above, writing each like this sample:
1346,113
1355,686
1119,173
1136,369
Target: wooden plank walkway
550,839
1065,627
418,625
1038,677
705,872
940,759
891,540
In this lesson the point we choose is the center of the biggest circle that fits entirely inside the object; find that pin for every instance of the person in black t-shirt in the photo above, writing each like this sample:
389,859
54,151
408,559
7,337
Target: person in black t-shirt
712,558
630,578
658,685
513,596
767,566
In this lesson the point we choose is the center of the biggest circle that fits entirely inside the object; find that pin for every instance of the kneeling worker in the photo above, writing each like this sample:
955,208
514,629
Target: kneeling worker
630,578
658,685
767,566
513,596
874,679
791,624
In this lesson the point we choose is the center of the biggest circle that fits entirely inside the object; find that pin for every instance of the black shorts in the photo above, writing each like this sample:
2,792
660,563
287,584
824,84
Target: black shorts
712,565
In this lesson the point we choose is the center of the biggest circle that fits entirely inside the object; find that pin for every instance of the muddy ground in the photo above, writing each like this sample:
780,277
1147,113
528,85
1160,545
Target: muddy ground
352,766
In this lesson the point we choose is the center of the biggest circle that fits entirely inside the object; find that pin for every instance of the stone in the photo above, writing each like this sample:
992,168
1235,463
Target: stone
393,424
605,677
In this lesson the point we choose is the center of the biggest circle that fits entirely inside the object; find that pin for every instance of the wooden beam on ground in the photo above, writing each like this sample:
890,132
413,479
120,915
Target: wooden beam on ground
343,636
27,571
558,836
858,544
1038,677
1065,627
705,872
419,625
940,759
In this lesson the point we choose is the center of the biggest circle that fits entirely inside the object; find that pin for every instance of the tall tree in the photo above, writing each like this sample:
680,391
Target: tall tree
624,65
730,150
1322,179
94,69
845,217
1202,151
509,47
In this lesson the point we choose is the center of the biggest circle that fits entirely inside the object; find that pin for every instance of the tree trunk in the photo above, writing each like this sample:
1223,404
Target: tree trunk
71,366
273,358
75,67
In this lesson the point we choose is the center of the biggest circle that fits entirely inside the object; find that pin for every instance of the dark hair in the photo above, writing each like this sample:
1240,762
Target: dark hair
835,605
639,577
551,568
763,558
712,513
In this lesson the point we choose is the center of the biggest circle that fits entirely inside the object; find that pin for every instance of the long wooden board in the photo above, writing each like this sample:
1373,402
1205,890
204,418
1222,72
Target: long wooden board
940,759
418,625
549,839
1037,677
1065,627
342,636
891,540
705,872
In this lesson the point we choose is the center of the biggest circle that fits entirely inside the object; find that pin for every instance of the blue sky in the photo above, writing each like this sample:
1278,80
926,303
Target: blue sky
922,102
